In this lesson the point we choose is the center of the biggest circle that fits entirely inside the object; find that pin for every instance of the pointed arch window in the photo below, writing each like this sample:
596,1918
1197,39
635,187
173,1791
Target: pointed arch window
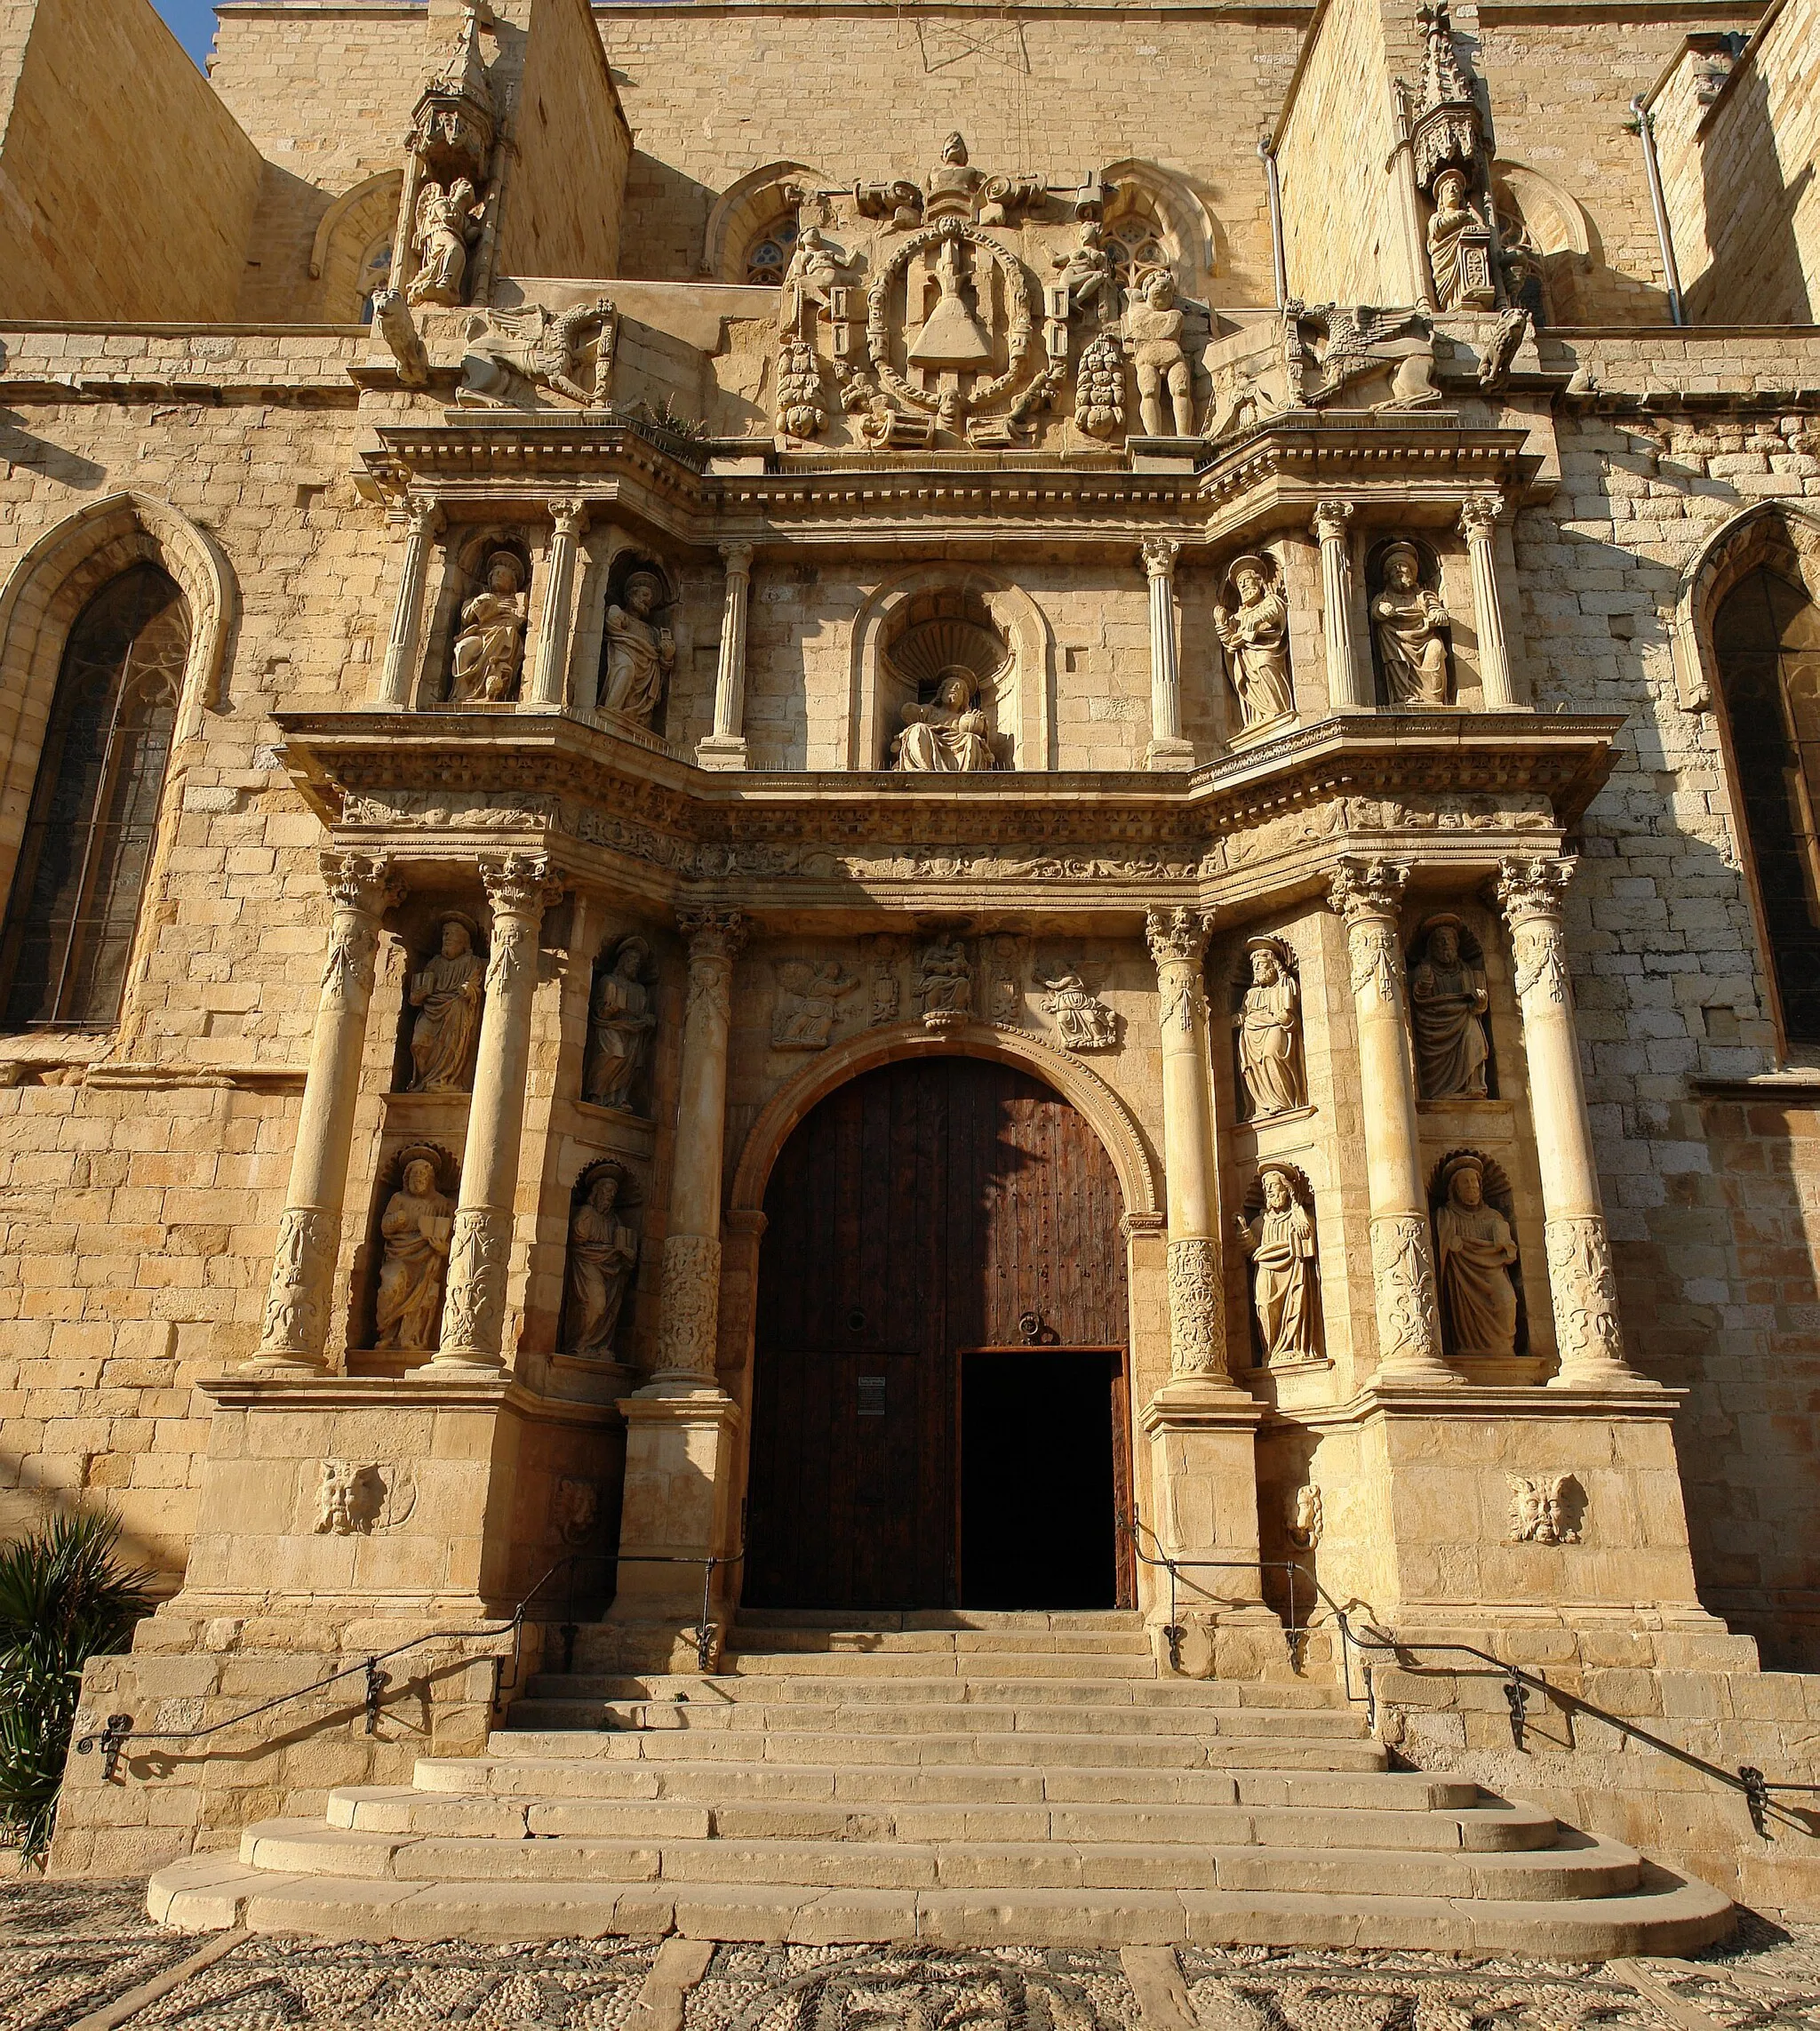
88,841
1766,640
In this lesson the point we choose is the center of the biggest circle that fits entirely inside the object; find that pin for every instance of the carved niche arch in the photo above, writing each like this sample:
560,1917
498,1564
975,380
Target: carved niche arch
743,209
360,216
1557,224
1096,1102
1189,234
1023,690
1784,535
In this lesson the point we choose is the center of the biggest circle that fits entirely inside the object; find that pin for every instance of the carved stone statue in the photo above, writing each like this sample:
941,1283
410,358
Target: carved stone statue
951,184
394,323
1281,1243
1153,323
816,270
620,1027
809,993
1255,634
447,224
1084,1020
490,646
1460,247
950,734
1099,386
603,1253
414,1231
640,655
1411,627
447,996
1448,1001
800,411
542,348
1086,272
944,983
1475,1249
1545,1508
1266,1023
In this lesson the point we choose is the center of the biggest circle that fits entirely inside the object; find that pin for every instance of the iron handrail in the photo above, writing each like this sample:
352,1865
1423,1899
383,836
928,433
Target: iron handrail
1757,1790
706,1630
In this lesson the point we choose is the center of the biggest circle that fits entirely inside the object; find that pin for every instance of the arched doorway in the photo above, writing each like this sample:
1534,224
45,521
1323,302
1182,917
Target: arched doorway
913,1444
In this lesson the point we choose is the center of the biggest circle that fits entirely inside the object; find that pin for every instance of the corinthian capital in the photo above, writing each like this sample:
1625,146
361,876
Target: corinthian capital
1478,520
521,884
1160,554
713,933
1532,888
1177,935
1373,888
1332,519
363,882
738,559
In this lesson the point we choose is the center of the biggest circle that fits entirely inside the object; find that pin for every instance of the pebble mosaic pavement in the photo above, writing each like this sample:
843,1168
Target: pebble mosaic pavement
69,1949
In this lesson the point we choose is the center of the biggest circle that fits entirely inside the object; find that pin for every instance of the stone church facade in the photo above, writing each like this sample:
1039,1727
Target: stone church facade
846,819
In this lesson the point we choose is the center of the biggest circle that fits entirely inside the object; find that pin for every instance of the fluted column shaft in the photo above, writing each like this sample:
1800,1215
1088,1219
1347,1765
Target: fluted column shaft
1347,687
725,747
520,889
1368,894
296,1324
1478,526
691,1281
547,680
1580,1279
422,526
1197,1289
1168,749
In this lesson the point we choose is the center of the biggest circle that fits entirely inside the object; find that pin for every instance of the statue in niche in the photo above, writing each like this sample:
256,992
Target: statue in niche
1280,1240
944,983
621,1025
948,735
1474,1250
1411,627
1459,247
640,654
1153,323
447,224
1255,634
446,994
602,1254
1448,1001
490,646
1266,1023
414,1232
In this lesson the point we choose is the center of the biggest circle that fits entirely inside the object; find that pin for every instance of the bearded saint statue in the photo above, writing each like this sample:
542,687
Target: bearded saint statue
414,1231
1281,1243
1266,1026
447,996
640,655
1447,1002
602,1252
1475,1249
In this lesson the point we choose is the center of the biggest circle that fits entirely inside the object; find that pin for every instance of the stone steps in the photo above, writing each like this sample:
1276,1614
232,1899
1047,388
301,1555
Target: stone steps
958,1779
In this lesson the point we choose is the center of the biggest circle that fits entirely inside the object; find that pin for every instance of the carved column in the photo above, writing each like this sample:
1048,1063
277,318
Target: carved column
725,747
1347,688
1177,943
547,680
1368,894
691,1281
423,524
1580,1278
303,1265
520,888
1167,749
1478,526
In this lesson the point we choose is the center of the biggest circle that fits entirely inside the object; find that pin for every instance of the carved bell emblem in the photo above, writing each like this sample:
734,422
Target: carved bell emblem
953,339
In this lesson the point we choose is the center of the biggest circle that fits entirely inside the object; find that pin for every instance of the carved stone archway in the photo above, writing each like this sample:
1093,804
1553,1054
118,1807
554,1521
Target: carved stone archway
743,208
358,217
1028,692
1756,535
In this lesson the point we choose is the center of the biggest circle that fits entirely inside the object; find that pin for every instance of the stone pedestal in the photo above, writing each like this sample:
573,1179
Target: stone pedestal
681,1454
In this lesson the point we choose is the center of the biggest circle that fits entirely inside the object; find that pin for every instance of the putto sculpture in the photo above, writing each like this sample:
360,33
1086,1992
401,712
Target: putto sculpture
1154,324
446,993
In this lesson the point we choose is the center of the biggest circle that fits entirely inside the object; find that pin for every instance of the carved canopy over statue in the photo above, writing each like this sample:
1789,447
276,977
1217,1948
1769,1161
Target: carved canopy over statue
950,733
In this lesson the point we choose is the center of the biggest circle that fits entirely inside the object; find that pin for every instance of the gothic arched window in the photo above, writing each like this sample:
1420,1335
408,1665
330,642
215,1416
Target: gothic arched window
1766,640
375,276
88,839
1136,242
768,258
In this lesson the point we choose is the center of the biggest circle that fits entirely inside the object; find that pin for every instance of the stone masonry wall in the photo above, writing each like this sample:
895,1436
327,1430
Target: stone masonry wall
568,178
126,190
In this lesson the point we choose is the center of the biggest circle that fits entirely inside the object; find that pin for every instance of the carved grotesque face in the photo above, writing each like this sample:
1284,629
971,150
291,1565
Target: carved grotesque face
419,1177
603,1194
1264,967
1251,584
1276,1192
1444,947
1468,1187
455,939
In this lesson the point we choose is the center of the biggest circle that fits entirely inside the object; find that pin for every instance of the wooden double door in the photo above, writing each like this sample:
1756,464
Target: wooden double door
940,1394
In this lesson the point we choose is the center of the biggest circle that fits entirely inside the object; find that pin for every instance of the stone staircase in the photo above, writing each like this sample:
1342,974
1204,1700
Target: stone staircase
964,1778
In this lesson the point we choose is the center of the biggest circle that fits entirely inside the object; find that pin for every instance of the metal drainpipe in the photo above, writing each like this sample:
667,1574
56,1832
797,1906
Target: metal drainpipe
1646,133
1279,266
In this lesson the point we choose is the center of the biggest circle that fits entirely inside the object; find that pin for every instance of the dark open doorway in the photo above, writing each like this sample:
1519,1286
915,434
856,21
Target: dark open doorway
1040,1466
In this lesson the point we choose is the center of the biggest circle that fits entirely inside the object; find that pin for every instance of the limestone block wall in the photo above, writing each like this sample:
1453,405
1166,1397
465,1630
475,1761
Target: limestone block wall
1738,172
126,188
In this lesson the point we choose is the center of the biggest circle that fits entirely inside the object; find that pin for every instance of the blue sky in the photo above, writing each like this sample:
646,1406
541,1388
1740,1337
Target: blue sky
194,23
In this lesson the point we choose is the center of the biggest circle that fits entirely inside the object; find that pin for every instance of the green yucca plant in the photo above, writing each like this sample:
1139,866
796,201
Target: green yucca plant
63,1600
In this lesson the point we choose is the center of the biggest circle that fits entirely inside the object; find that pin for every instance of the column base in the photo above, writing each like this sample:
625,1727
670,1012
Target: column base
722,751
681,1439
1203,1478
463,1362
277,1363
1170,755
1603,1375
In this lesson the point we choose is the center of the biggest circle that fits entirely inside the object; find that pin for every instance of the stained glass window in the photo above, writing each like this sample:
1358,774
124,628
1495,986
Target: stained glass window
769,257
1134,242
1767,639
94,810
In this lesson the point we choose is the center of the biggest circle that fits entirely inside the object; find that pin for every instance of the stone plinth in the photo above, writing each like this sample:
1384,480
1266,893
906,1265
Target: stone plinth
680,1448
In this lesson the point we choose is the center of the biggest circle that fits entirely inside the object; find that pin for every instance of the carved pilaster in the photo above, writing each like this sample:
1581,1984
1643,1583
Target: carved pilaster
423,524
1367,896
548,679
1168,749
293,1333
1346,684
725,747
1582,1287
1479,525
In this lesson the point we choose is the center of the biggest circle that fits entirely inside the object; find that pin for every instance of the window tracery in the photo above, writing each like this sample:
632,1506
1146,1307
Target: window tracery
82,868
768,257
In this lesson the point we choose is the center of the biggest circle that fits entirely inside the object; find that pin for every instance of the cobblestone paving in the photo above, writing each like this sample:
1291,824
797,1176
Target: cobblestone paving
66,1950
